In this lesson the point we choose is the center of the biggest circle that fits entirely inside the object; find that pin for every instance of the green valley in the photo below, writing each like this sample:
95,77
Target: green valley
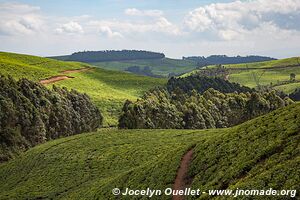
149,100
89,166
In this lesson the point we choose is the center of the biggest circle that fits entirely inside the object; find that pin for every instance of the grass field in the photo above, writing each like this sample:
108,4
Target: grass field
266,64
159,66
260,154
269,72
288,88
33,67
273,76
108,89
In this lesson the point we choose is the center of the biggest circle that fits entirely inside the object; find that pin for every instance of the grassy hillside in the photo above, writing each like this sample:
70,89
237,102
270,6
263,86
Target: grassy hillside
260,154
267,64
276,72
108,89
159,66
33,67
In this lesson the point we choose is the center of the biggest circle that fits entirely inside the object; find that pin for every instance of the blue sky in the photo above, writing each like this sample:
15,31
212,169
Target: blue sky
176,27
105,8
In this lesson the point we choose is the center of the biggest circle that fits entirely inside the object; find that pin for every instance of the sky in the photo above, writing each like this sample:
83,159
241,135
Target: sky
175,27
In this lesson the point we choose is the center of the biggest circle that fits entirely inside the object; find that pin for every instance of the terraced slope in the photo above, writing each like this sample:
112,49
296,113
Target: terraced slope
260,154
108,89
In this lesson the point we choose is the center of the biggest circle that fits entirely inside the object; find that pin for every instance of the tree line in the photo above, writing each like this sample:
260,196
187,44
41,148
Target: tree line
223,59
31,114
202,83
181,108
113,55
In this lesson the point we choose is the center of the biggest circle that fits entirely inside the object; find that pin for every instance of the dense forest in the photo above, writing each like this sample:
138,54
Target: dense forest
31,114
180,110
202,83
198,102
223,59
111,55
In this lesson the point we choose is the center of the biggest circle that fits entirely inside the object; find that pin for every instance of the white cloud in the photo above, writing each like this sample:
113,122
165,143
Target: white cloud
150,13
235,19
106,30
165,26
70,28
19,19
158,25
265,27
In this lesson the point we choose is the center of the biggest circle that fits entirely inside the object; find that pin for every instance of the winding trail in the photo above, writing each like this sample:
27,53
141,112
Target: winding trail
54,79
57,78
182,180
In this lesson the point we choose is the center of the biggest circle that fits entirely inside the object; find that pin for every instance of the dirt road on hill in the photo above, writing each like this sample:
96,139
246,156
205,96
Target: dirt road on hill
57,78
182,180
54,79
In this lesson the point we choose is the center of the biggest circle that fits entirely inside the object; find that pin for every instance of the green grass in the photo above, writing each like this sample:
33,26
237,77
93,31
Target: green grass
260,154
108,89
159,66
265,64
267,76
288,88
273,72
33,67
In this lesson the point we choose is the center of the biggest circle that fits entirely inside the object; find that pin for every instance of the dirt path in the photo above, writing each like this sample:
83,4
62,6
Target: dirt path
182,180
54,79
57,78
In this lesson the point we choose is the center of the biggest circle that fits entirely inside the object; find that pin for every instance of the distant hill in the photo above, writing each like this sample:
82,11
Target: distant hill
110,55
134,61
157,67
223,59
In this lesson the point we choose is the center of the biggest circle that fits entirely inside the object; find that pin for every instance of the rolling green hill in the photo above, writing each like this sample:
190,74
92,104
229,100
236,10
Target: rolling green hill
276,72
33,67
108,89
162,67
121,60
260,154
267,64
